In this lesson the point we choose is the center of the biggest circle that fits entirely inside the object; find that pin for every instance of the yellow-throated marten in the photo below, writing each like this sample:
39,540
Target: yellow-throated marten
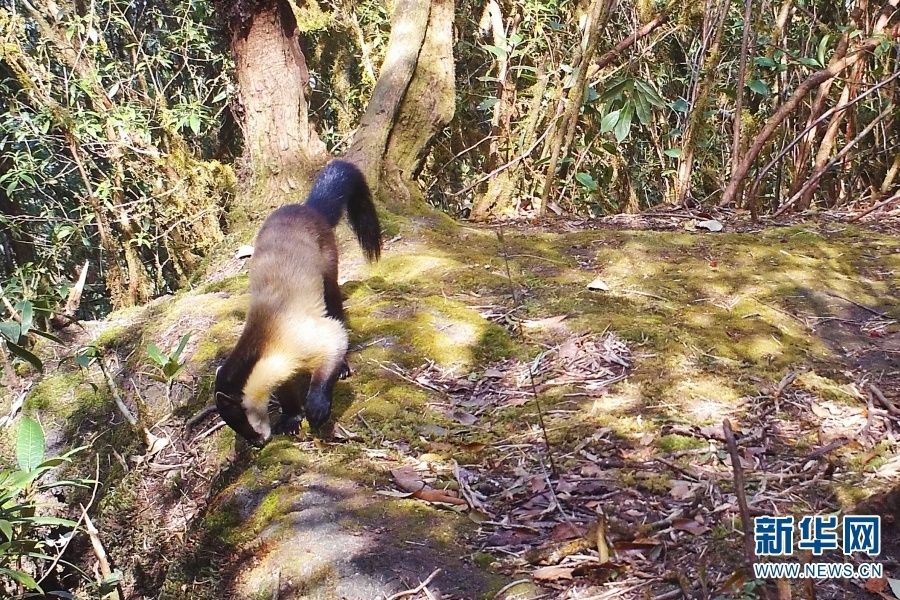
295,323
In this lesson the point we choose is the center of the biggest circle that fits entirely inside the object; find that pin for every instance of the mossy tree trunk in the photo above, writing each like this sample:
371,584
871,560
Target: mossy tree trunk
414,98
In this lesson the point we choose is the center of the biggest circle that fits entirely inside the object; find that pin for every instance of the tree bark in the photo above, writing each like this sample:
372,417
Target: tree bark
741,81
413,100
281,144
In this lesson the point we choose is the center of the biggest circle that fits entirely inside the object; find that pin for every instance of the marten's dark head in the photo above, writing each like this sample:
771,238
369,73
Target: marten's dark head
250,422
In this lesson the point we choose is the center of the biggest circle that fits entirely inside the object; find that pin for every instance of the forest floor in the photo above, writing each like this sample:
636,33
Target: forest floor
533,413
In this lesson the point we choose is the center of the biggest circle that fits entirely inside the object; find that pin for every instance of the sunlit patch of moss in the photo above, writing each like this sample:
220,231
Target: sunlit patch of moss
850,494
62,393
826,388
675,443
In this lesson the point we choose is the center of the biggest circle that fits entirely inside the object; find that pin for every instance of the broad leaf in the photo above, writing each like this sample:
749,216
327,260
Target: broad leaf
25,355
623,127
608,122
30,444
156,354
587,181
680,105
495,50
11,330
673,152
759,86
26,311
6,529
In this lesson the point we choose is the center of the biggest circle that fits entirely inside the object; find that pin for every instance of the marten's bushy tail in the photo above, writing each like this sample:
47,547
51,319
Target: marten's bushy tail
340,184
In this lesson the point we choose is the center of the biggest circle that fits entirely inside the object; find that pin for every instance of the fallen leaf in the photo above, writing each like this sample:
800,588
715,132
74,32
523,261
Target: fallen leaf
552,573
494,373
598,285
473,447
394,493
710,225
594,471
408,479
682,490
155,443
439,497
691,526
463,418
895,586
565,531
876,585
433,431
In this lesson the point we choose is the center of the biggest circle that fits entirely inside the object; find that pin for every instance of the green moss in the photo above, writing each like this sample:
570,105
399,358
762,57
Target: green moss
674,443
63,393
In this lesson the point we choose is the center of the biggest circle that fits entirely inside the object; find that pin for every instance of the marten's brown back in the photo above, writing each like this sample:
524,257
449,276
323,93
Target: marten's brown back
294,250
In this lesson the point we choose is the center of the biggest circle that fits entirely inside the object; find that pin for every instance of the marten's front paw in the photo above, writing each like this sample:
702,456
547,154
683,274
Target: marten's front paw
288,425
345,371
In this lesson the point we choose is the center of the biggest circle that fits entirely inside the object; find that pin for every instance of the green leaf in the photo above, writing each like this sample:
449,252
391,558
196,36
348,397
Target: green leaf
608,122
156,354
487,104
181,345
39,520
680,105
623,126
30,444
759,86
18,480
649,93
642,108
26,311
194,123
495,50
587,181
10,330
6,528
21,578
764,61
25,355
823,47
673,152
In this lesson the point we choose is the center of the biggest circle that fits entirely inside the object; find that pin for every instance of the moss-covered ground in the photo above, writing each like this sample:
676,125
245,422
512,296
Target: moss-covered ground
713,323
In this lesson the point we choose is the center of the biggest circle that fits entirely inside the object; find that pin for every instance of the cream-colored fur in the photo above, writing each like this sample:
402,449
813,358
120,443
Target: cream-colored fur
298,342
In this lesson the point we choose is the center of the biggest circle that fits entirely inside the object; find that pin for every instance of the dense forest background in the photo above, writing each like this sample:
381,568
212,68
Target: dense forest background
508,146
122,145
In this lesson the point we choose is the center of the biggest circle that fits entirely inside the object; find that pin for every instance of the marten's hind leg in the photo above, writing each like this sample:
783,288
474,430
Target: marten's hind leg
326,368
334,308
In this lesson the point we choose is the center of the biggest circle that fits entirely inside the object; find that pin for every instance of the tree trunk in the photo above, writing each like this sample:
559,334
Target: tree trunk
565,130
413,100
741,81
281,145
707,63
